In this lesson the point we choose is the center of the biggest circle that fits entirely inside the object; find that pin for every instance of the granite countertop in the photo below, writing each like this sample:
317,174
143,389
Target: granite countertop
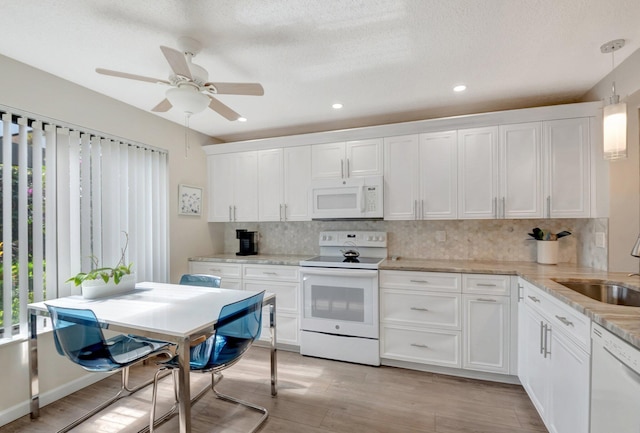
621,320
259,259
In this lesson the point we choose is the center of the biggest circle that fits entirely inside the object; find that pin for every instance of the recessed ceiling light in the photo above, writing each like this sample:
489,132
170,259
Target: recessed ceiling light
460,88
242,119
337,106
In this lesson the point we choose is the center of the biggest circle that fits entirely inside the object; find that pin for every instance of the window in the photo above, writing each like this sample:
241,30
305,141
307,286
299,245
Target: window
68,194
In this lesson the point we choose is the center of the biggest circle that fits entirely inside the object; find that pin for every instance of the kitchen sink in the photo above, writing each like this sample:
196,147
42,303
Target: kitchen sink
602,291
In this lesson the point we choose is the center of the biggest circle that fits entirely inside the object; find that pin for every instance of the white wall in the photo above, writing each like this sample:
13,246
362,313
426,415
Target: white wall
31,90
624,215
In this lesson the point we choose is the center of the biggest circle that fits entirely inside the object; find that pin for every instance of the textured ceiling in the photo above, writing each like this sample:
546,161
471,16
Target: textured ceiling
385,60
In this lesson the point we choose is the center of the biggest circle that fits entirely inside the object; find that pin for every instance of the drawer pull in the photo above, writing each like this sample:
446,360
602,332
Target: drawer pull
419,309
564,320
214,269
486,285
485,300
424,346
420,281
269,273
533,298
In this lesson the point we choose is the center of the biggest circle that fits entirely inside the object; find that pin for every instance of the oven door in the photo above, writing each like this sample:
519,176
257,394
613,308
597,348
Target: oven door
340,301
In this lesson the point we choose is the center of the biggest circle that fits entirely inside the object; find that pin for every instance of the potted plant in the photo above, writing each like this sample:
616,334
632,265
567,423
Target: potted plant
547,253
105,281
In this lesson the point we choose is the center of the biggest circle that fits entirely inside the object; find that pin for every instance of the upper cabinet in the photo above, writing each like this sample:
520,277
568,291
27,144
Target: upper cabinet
566,152
347,159
478,173
420,176
284,178
233,185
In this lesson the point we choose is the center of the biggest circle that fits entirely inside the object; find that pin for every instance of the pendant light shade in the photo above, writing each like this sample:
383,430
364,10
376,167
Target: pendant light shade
614,114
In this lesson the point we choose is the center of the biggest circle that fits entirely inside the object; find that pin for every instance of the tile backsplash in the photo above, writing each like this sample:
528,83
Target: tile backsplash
502,240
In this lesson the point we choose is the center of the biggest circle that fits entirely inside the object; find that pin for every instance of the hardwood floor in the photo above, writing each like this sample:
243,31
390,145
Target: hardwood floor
315,396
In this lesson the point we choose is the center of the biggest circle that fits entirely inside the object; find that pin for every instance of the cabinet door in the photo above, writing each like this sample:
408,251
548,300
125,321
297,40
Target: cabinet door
221,179
486,333
520,176
566,153
533,372
270,185
328,161
477,173
245,186
401,177
438,175
297,182
568,386
364,158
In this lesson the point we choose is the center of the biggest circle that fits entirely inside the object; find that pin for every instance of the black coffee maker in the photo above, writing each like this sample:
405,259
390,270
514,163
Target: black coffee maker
248,242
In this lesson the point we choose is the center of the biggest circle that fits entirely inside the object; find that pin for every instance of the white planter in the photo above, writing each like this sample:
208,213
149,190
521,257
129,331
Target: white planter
93,289
547,252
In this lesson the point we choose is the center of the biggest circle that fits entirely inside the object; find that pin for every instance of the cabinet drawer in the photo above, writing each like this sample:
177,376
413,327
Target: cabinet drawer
437,347
229,270
420,308
430,281
275,272
286,293
486,284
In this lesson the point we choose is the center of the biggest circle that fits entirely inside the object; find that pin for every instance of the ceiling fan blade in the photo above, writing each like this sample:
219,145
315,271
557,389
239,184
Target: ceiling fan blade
222,109
177,61
162,106
254,89
130,76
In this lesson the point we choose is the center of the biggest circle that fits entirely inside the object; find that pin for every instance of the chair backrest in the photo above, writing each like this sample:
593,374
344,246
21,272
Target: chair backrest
78,335
200,280
239,324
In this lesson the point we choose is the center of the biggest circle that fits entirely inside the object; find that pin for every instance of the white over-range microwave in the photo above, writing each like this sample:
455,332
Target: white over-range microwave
356,197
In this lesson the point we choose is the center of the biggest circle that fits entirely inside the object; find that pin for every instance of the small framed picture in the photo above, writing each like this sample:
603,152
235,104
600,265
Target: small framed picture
189,200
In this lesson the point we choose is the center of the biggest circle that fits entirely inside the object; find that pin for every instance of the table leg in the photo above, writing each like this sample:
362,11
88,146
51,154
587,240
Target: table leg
274,360
34,388
184,387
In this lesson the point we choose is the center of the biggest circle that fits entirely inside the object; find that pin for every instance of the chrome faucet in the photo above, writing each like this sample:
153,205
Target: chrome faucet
635,252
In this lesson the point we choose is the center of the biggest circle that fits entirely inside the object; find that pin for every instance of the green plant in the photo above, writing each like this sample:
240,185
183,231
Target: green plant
104,273
546,235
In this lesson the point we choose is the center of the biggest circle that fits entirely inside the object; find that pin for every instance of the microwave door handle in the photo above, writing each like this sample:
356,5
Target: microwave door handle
362,199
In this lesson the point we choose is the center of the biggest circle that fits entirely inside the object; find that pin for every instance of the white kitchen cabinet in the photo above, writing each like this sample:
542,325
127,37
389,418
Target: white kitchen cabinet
420,176
233,186
566,153
478,173
284,282
486,322
555,368
347,159
230,273
520,171
284,178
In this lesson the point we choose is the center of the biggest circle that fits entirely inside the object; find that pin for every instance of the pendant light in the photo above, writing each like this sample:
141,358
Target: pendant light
614,114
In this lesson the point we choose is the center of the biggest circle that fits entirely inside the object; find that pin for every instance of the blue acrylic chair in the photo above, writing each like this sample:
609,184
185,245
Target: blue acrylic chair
238,326
78,335
200,280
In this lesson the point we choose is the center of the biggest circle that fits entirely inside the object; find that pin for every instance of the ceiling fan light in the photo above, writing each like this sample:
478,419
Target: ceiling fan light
187,100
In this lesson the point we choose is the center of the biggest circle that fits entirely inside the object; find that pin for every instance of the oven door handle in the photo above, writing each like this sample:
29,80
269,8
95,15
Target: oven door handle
339,272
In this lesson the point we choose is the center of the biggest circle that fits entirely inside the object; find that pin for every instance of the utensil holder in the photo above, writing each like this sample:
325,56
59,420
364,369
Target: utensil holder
547,252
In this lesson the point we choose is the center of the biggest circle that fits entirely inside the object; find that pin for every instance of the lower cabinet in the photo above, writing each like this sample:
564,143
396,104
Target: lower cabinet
278,279
446,319
554,365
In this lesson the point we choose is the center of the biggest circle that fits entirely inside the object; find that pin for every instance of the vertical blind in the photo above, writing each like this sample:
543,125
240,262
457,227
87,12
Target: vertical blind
80,195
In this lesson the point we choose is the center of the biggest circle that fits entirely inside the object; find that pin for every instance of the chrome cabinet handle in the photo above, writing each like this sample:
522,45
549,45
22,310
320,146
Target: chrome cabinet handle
419,309
495,207
415,209
215,269
342,168
269,273
280,212
486,300
548,206
419,281
520,290
421,209
542,325
533,298
230,218
486,285
547,331
285,212
235,218
564,320
420,345
347,172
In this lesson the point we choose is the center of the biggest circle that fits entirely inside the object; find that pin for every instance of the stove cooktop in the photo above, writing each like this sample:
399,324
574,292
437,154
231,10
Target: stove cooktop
342,262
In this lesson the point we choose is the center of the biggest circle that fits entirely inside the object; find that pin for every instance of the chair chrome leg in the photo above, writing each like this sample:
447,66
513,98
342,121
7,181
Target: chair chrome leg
262,410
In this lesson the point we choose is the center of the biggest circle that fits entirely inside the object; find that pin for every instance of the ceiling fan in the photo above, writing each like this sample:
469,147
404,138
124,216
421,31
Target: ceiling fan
190,90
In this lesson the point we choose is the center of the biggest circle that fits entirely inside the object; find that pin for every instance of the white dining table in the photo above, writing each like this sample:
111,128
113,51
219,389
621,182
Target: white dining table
170,312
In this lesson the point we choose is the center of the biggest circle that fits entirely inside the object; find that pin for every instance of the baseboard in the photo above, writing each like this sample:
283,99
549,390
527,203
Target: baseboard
23,408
